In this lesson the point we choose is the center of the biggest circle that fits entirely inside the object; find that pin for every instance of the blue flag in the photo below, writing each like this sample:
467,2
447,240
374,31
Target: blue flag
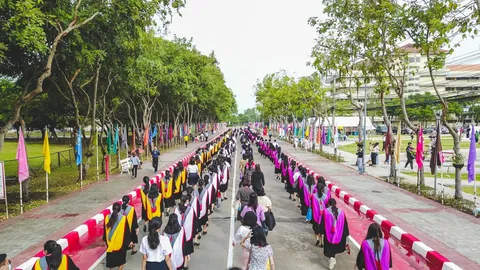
78,148
150,137
154,134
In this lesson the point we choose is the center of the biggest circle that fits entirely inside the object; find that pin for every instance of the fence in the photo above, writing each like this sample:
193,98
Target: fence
58,159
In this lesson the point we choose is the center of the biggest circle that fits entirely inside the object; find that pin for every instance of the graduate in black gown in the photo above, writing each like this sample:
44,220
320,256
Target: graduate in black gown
117,237
334,228
129,211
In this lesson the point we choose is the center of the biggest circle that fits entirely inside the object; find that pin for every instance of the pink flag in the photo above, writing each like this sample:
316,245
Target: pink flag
420,146
23,172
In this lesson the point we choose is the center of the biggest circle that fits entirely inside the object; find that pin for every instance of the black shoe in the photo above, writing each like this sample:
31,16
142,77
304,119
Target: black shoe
196,244
134,252
321,245
204,233
317,243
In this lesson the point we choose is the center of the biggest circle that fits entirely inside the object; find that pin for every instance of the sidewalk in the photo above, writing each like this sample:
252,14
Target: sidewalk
25,235
383,170
448,231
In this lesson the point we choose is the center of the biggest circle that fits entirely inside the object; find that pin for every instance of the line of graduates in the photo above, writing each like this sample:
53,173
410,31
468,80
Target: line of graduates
329,223
186,206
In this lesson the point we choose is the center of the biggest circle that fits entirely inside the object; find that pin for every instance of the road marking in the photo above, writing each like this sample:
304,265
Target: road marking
99,260
232,217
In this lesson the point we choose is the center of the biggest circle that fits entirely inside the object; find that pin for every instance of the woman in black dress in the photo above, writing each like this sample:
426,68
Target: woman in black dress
129,212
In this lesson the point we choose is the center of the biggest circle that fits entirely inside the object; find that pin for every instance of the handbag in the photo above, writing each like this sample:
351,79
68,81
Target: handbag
270,220
309,214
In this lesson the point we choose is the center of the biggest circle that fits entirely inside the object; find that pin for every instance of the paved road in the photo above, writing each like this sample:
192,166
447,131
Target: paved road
292,240
448,231
23,236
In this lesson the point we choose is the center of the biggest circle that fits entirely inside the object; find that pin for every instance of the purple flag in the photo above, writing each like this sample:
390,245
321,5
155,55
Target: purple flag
23,172
472,156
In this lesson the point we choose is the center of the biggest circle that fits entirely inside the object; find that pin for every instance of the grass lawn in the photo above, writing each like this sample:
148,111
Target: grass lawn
450,175
447,143
470,190
62,180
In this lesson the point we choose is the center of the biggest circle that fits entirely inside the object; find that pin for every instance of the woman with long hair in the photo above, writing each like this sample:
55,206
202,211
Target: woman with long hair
129,211
53,259
290,181
154,203
143,195
261,253
255,208
308,190
319,202
175,234
258,178
375,253
224,175
334,227
186,217
299,185
167,189
156,248
177,183
203,198
117,237
277,161
284,168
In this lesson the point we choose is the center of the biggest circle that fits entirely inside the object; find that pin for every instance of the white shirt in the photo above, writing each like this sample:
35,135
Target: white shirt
192,169
158,254
241,233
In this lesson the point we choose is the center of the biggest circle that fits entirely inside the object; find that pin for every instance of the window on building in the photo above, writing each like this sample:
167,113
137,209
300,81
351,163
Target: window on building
418,59
411,59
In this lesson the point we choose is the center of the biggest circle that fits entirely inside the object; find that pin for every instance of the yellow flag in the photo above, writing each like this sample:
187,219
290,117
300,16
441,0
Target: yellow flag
46,153
398,143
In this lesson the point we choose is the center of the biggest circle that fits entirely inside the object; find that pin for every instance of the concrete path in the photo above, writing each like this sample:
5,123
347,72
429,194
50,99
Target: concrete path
383,170
448,231
292,239
23,236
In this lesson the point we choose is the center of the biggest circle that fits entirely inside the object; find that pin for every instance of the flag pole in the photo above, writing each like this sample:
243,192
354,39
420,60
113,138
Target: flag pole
441,182
81,175
97,135
46,178
21,199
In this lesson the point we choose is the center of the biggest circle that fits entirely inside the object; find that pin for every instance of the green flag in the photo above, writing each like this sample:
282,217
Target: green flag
109,142
115,142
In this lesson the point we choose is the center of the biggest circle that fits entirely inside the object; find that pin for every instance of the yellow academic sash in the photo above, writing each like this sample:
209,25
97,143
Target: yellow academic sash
63,264
209,154
199,165
116,242
130,217
158,212
184,176
167,190
143,196
178,183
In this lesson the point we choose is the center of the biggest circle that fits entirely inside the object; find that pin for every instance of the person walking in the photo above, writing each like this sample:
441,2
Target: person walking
135,162
53,259
361,169
156,248
248,223
374,154
410,155
155,155
258,179
5,263
375,251
117,237
185,138
334,228
206,136
261,253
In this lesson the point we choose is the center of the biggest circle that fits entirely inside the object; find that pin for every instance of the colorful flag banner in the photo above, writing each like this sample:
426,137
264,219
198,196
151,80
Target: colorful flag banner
78,148
115,141
437,156
23,172
398,143
109,142
46,153
472,157
420,149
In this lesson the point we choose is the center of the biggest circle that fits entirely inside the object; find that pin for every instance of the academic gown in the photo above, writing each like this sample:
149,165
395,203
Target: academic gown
166,188
188,225
290,181
203,200
117,239
131,215
177,192
318,206
336,240
368,260
143,197
224,176
66,263
177,241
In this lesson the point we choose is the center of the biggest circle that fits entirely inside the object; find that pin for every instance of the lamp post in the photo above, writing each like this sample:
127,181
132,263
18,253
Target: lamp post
333,117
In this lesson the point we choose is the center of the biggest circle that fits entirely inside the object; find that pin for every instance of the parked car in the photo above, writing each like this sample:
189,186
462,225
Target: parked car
380,130
406,131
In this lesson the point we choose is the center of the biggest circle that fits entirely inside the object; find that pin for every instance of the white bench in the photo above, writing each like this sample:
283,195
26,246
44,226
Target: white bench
126,165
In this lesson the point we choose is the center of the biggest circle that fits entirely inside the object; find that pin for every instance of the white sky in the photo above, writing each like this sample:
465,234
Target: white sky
252,38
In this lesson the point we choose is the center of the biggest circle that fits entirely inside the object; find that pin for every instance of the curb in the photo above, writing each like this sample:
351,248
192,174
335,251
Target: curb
74,236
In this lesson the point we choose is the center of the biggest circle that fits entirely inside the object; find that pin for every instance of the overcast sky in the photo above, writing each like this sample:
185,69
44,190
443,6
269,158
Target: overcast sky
252,38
